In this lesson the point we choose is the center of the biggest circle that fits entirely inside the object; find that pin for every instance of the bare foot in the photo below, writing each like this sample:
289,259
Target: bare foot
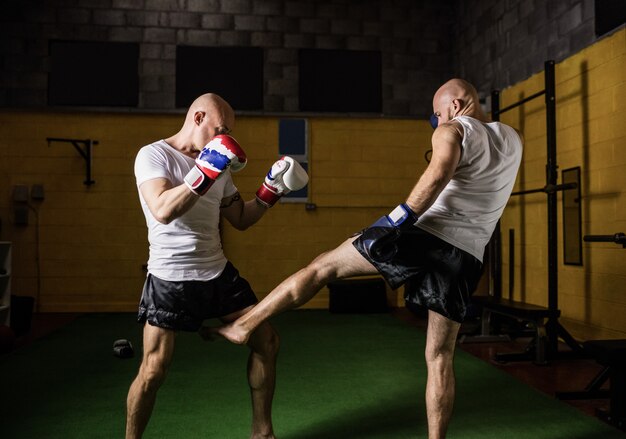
232,333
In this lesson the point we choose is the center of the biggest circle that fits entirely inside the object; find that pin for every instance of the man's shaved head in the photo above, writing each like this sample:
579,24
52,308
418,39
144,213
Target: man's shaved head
208,116
213,104
457,97
457,89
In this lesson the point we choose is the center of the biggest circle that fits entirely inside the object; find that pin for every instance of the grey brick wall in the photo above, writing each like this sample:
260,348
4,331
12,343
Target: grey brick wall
501,42
400,29
493,43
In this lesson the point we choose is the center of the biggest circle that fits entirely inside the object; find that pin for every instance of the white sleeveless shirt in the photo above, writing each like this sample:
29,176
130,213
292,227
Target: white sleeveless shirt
189,247
466,212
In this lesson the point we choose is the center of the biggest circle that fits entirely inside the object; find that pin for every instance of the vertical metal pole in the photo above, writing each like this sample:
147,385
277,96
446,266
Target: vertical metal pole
511,262
88,145
495,105
551,179
495,244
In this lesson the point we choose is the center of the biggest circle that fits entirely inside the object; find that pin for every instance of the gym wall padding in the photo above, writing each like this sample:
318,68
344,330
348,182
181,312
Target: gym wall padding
93,240
591,133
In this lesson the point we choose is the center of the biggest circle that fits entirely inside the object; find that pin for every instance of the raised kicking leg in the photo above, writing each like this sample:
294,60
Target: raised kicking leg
440,385
299,288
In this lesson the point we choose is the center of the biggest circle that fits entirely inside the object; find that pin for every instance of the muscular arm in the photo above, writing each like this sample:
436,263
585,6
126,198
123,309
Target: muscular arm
446,142
166,202
241,214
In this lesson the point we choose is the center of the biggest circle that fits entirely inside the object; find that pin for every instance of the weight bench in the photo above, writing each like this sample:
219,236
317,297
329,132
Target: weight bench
534,314
612,355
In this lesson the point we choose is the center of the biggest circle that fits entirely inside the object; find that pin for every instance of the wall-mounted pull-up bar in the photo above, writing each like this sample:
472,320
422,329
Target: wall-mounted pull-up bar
498,110
84,151
546,340
548,189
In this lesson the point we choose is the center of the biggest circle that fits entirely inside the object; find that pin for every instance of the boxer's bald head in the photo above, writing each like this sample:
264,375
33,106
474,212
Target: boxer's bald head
211,108
457,97
208,116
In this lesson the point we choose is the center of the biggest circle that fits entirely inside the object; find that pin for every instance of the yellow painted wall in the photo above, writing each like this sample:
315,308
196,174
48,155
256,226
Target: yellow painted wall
591,133
92,240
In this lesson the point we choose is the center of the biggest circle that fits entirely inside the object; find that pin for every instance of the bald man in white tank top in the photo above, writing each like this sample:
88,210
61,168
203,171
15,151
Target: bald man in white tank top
435,239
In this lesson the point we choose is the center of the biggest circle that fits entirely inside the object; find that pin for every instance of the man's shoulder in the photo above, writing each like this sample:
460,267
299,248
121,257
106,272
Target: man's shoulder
470,121
158,145
453,130
159,150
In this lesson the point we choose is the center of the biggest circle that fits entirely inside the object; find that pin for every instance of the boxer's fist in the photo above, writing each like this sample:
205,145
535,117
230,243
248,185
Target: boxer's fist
221,153
380,243
284,176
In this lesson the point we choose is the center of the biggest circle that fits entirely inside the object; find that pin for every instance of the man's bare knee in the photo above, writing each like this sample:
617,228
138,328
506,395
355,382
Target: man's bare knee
439,352
152,372
438,359
440,339
322,271
307,282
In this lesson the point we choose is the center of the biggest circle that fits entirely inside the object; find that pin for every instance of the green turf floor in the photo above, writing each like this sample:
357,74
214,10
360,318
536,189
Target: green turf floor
339,377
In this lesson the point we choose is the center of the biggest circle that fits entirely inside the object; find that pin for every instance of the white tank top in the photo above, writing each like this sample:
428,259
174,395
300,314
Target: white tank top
466,212
189,247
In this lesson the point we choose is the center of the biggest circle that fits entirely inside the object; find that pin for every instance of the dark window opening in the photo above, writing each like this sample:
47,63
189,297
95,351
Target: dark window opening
610,14
340,81
86,73
234,73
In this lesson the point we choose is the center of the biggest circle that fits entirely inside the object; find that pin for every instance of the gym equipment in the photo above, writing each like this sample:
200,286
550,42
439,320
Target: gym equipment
617,238
544,345
85,153
123,348
572,219
612,355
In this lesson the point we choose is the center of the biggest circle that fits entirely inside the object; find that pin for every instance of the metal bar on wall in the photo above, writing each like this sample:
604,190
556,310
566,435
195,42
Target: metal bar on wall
494,249
551,179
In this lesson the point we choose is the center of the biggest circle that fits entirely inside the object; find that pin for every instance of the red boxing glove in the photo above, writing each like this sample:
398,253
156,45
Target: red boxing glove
221,153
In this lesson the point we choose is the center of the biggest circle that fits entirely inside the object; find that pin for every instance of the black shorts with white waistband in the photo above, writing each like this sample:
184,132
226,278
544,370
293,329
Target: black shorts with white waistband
439,276
183,305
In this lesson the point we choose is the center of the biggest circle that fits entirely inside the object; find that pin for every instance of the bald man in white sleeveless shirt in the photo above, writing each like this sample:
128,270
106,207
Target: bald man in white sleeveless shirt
436,239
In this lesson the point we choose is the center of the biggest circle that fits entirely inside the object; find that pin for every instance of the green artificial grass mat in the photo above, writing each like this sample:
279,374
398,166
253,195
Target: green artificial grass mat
340,376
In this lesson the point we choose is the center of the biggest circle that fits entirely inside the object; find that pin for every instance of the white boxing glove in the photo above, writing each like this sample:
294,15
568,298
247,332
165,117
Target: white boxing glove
284,176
